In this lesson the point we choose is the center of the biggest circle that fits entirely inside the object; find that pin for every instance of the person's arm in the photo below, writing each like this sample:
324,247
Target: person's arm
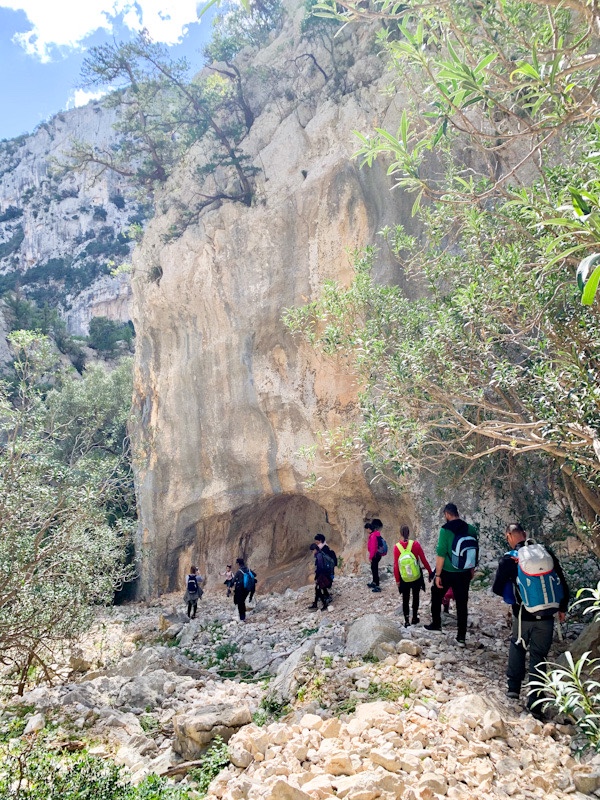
372,544
564,603
440,557
506,572
439,566
420,556
396,568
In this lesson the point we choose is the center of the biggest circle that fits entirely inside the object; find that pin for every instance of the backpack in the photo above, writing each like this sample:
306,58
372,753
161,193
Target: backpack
249,579
329,564
539,586
465,551
407,563
382,547
192,585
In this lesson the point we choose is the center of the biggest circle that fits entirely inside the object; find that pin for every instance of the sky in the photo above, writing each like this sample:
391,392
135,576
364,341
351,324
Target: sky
43,44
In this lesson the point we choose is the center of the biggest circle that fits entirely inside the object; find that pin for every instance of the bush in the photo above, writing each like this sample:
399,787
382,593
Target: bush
31,772
573,689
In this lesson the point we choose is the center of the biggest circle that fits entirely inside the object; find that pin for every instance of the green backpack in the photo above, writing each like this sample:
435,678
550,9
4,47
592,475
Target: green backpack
407,563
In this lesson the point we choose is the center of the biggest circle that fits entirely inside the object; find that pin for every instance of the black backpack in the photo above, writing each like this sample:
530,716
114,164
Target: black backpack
192,584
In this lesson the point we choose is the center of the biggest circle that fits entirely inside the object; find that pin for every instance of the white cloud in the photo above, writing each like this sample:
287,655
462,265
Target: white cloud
81,98
67,23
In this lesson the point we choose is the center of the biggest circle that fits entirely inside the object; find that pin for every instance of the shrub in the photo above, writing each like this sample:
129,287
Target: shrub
31,772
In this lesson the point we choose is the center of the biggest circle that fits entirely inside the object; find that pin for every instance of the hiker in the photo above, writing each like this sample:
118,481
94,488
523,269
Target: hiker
323,577
228,579
529,577
408,575
324,548
193,592
377,549
457,554
244,582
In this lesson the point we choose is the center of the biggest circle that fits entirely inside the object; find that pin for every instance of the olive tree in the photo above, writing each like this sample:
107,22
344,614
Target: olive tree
61,552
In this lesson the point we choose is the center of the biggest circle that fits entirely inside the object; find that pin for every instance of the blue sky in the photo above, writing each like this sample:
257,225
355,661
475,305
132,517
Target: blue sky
43,43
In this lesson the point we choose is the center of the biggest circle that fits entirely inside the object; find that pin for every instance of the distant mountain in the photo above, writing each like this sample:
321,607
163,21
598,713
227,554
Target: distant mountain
63,231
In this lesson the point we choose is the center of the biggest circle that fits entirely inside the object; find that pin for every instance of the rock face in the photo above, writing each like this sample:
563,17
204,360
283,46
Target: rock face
226,398
59,228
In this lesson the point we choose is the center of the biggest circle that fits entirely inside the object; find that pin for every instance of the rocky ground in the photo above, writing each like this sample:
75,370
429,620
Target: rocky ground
342,703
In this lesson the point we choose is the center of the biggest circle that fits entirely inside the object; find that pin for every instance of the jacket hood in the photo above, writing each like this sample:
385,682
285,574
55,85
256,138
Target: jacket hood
456,526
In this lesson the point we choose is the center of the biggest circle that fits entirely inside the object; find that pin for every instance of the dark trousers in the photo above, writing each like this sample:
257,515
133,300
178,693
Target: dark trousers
192,608
322,595
239,598
375,568
537,636
406,589
459,583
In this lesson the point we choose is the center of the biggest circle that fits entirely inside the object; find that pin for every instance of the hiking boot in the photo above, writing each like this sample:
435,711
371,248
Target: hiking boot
432,627
406,622
415,621
313,607
513,695
376,589
370,584
324,607
537,713
461,642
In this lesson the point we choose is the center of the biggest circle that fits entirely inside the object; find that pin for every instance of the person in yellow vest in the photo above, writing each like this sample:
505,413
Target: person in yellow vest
407,572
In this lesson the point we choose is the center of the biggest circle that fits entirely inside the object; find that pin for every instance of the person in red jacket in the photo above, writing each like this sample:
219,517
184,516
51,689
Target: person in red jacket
404,571
375,527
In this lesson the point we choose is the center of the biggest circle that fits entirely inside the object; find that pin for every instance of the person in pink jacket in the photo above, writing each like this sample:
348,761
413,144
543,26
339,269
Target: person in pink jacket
375,527
407,587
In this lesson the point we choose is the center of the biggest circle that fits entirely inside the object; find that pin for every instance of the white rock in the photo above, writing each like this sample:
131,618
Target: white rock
35,723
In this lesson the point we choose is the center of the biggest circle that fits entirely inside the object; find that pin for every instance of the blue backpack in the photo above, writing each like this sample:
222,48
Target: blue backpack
249,579
382,547
465,551
538,584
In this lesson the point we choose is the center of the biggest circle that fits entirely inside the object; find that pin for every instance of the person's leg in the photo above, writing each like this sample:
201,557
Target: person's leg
515,670
194,608
189,608
405,592
416,593
317,596
436,605
375,569
460,582
540,641
242,605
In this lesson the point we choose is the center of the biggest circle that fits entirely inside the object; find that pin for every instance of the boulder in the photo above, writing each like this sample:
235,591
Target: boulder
35,724
587,641
474,710
285,685
366,633
146,690
194,730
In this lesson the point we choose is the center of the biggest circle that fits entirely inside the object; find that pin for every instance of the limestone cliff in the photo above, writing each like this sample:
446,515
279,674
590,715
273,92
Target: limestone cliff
59,229
225,397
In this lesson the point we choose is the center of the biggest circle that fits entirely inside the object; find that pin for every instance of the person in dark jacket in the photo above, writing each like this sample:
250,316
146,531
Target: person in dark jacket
240,593
533,631
447,576
193,592
323,579
324,548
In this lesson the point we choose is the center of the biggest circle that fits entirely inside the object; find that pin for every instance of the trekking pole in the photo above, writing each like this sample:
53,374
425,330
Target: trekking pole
559,631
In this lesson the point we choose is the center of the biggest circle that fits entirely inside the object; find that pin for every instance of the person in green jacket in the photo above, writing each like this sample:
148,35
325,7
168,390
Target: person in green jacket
456,558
